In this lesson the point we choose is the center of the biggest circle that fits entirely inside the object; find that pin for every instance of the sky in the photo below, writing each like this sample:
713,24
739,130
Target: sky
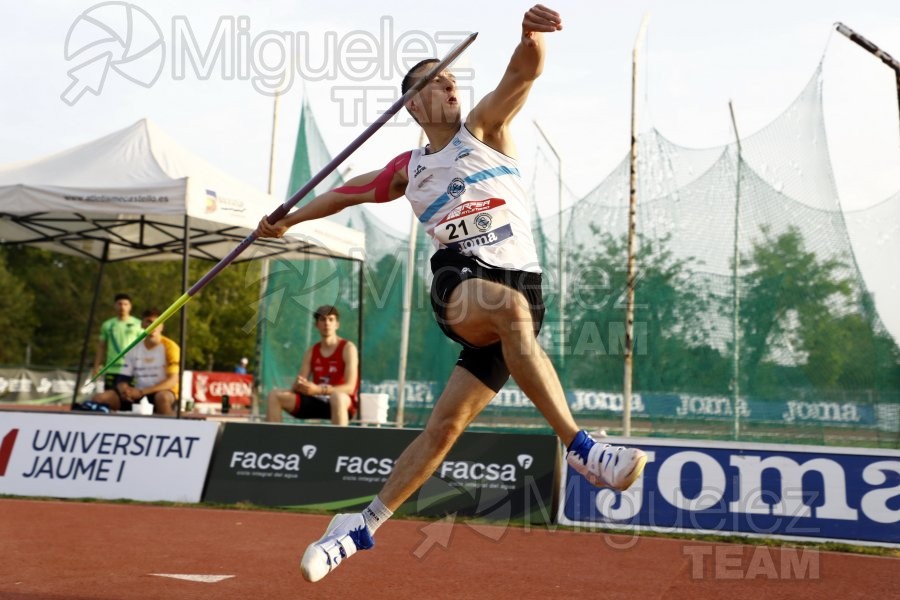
698,55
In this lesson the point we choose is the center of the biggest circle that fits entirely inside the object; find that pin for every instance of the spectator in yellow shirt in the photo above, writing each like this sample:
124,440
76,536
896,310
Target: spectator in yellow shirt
150,370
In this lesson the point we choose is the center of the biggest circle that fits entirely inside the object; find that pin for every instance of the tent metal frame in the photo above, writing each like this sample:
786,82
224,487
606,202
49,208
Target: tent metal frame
181,240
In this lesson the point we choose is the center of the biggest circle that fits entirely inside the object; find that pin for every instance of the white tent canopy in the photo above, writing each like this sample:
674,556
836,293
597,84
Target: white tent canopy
132,195
136,194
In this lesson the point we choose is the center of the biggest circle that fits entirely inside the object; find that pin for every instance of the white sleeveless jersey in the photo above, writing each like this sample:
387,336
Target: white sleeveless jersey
470,198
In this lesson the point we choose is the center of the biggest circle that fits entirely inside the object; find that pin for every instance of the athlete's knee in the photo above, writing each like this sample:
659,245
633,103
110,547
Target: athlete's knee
339,400
164,402
444,431
285,402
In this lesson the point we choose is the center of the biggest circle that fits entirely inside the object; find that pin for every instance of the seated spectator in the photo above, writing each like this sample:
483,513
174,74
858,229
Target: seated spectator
150,371
328,382
241,367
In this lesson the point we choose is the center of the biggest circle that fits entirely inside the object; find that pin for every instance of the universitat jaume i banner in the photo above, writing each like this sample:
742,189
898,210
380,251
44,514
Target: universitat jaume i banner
70,455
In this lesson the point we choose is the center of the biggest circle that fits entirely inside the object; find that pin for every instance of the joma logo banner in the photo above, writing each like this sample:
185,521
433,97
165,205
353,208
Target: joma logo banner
758,489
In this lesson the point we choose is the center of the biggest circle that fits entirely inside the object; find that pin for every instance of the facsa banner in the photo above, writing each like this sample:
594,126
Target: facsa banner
68,455
765,490
491,475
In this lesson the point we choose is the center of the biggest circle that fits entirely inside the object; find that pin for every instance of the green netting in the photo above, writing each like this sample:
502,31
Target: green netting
815,363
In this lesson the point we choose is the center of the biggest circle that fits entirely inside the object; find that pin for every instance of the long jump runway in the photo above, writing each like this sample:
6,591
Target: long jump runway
53,550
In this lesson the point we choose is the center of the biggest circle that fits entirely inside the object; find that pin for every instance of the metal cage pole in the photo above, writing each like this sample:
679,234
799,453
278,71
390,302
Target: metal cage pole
874,50
736,300
632,242
560,266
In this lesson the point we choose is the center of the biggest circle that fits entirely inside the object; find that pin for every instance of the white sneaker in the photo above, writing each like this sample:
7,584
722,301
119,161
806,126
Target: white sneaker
615,467
346,534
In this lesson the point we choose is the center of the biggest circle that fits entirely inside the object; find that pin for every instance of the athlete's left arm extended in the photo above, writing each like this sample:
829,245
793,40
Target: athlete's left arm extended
384,185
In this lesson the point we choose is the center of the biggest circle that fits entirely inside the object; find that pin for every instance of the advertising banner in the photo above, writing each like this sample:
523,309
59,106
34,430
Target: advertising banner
26,386
70,455
764,490
210,386
495,476
874,413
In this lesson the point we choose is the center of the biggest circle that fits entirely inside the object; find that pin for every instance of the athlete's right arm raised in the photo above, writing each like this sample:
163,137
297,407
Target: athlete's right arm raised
377,186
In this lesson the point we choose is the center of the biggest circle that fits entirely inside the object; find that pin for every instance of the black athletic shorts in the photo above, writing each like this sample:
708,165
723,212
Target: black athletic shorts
311,407
450,269
316,407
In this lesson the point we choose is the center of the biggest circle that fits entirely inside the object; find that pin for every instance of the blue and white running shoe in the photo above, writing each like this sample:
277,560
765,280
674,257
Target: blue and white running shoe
604,465
346,534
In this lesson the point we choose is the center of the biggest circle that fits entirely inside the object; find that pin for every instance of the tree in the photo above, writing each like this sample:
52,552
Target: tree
49,309
801,312
17,316
61,287
670,331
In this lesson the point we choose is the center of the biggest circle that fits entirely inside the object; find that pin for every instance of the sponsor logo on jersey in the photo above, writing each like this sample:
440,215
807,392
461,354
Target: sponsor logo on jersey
483,222
457,187
463,152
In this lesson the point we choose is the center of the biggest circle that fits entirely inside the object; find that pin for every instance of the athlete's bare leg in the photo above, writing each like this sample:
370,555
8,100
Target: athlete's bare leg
463,399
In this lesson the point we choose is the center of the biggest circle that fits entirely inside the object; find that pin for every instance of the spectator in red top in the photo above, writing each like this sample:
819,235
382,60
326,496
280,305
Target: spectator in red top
328,381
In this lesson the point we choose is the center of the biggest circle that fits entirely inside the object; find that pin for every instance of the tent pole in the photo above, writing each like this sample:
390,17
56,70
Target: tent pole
264,276
90,323
361,290
182,340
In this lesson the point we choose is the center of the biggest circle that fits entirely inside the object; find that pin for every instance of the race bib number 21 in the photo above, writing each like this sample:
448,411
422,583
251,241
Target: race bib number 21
474,223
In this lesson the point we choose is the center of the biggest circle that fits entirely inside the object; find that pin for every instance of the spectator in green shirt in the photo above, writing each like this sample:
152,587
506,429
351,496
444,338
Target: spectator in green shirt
115,334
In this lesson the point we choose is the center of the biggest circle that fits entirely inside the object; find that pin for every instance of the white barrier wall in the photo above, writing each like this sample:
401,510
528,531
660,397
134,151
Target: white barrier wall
72,455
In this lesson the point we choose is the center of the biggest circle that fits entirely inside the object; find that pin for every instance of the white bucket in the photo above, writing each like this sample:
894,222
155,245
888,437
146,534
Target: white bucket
373,408
143,407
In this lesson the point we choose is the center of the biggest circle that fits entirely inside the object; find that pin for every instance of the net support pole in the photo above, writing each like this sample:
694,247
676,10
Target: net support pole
407,309
182,336
406,319
561,281
875,51
90,324
264,273
736,299
632,241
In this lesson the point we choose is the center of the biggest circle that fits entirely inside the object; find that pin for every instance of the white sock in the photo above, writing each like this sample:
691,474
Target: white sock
376,514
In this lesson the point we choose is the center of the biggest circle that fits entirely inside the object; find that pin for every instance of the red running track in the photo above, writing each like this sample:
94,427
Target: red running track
55,550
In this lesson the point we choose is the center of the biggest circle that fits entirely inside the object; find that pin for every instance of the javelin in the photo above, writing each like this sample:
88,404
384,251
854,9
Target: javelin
288,204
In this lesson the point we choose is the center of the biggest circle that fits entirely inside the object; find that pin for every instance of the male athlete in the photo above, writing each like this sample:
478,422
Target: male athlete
466,189
327,384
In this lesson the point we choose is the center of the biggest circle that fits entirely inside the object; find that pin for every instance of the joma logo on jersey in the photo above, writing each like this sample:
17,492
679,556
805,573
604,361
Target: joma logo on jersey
481,240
